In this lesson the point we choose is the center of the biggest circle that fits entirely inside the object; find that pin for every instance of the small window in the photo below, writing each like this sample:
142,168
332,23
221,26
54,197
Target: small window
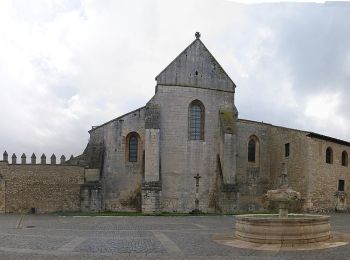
341,185
286,149
329,155
196,120
133,147
251,150
344,158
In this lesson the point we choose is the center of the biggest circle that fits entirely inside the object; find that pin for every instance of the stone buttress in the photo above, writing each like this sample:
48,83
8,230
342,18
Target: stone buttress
227,161
151,185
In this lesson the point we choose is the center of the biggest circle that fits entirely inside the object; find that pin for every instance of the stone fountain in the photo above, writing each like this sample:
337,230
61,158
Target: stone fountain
282,228
284,196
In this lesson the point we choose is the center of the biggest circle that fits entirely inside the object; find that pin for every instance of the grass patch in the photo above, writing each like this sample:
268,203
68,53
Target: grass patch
105,213
133,214
162,214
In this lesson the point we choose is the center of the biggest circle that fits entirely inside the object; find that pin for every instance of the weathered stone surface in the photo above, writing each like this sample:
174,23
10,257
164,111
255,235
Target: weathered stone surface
152,120
23,159
33,159
195,67
47,188
91,197
120,179
228,121
151,197
269,229
166,154
5,157
152,145
229,182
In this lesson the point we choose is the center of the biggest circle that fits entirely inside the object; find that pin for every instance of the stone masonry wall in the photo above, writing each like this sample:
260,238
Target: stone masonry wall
47,188
307,170
296,163
121,180
323,177
181,158
253,179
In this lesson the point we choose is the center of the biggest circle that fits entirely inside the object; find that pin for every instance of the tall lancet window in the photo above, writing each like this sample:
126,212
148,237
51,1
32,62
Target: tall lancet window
329,155
253,149
344,158
133,145
196,120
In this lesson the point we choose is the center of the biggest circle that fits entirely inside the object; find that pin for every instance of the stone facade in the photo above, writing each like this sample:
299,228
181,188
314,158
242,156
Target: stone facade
169,160
121,180
228,181
152,160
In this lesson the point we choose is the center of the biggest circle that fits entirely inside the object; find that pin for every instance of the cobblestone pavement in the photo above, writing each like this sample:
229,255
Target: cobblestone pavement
58,237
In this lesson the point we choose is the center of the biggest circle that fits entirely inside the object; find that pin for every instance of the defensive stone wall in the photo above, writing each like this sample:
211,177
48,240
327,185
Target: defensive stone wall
39,188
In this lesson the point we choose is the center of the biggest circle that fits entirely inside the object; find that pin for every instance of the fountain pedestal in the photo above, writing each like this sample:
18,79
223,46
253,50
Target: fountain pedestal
283,209
271,229
282,228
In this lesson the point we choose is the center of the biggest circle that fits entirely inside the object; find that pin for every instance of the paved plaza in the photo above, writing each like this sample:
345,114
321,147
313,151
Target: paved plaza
191,237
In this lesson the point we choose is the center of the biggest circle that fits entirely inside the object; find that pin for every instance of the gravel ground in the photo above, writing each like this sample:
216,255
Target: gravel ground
190,237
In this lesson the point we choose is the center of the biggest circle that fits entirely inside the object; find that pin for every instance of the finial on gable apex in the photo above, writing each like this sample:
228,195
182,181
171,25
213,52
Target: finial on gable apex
198,35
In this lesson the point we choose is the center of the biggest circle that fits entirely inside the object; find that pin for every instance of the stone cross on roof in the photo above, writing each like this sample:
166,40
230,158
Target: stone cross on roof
198,35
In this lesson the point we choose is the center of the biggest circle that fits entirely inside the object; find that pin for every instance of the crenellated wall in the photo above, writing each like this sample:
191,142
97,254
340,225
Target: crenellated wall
42,188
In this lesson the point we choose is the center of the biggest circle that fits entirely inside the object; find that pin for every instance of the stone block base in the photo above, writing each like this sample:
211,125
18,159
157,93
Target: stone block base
151,197
90,197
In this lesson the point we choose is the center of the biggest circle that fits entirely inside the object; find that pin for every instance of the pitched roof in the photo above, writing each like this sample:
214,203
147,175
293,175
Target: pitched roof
196,67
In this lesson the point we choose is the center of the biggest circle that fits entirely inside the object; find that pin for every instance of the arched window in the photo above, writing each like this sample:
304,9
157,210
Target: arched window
344,158
329,155
253,149
133,143
196,120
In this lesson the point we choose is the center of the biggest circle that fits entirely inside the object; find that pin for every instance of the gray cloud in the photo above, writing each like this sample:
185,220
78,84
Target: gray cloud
68,65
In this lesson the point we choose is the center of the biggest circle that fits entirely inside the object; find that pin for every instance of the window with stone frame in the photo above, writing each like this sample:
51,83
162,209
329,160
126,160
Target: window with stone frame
196,120
341,185
133,143
329,155
286,149
344,158
253,149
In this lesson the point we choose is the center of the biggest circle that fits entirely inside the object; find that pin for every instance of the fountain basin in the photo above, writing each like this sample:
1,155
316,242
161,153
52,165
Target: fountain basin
271,229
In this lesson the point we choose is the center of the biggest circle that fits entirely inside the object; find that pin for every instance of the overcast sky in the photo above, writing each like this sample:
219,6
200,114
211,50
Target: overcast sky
66,65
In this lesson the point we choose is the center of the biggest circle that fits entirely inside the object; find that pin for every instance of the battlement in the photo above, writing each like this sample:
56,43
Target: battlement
40,186
33,159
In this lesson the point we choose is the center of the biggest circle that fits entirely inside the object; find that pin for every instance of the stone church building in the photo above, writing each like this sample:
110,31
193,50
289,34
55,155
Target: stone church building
187,150
148,158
